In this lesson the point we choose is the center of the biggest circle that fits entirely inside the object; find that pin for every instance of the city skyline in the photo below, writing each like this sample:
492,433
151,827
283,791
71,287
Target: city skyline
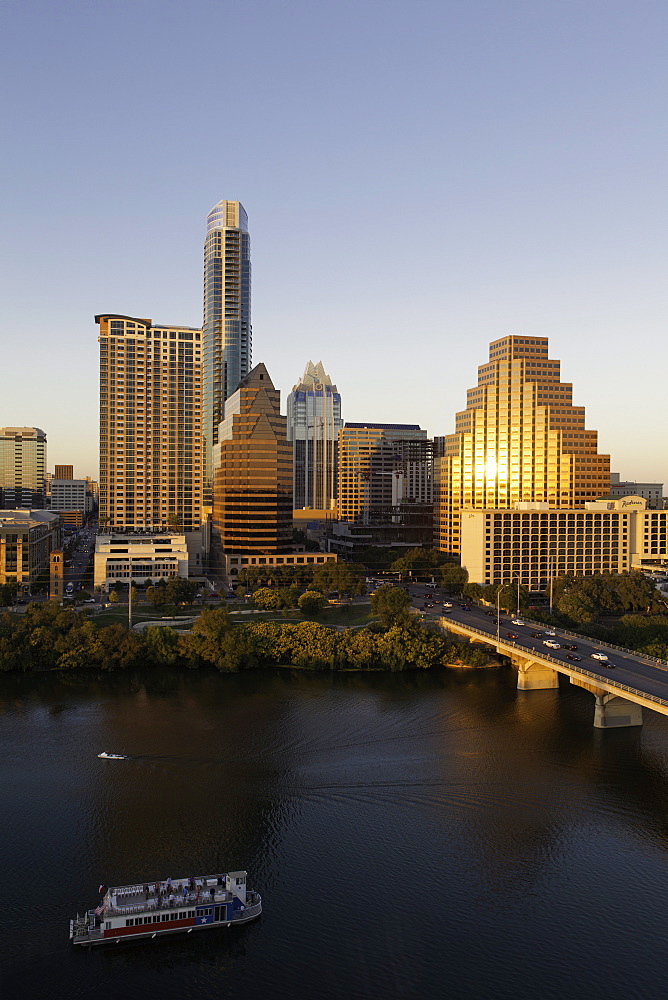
442,182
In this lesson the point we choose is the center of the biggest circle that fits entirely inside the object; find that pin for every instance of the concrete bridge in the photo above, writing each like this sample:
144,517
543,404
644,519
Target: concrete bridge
629,683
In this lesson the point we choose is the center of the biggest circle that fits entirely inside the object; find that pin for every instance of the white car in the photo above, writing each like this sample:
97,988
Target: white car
599,656
551,644
517,621
549,633
446,604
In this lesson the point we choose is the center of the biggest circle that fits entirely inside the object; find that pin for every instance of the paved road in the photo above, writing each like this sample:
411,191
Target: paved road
633,669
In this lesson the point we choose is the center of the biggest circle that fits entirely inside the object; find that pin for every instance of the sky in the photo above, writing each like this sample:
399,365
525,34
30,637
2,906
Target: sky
421,178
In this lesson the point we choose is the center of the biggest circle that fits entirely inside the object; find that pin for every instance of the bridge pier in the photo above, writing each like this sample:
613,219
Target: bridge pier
611,712
533,676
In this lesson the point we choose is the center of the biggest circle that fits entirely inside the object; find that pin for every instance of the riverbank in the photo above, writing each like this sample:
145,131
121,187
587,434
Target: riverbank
51,638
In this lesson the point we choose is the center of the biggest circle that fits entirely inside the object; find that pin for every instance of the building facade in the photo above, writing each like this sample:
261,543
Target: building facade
381,467
534,543
151,455
22,467
252,496
227,331
652,492
314,421
63,472
520,439
71,499
138,559
27,538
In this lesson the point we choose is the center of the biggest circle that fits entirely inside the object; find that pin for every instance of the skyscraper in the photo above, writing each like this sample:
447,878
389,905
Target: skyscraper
226,328
519,439
151,457
314,419
22,468
252,506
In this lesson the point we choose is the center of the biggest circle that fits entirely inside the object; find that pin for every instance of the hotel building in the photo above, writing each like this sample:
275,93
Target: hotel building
227,332
22,467
151,456
534,543
252,495
519,440
314,421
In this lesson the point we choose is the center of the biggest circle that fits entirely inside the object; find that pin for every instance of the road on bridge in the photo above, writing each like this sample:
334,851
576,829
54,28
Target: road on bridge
633,669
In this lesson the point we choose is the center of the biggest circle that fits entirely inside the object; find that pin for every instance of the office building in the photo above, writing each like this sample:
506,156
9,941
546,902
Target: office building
71,499
22,467
382,467
227,333
520,439
140,559
534,543
314,421
652,492
63,472
151,458
27,538
252,495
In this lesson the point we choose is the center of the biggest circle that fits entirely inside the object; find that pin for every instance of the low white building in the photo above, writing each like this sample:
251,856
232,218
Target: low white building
144,559
536,543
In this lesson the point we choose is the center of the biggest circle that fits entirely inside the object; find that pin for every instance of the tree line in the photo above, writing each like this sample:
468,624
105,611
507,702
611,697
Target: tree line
49,637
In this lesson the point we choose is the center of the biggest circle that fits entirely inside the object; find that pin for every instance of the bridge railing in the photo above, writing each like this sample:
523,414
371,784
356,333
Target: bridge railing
563,667
654,660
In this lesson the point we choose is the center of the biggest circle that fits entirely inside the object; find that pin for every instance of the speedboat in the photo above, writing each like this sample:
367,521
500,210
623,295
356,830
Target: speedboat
112,756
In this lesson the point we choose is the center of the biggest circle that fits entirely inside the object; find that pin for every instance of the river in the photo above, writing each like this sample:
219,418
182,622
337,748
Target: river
417,835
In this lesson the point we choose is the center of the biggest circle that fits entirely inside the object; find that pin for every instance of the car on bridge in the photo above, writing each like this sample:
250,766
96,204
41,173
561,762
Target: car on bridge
571,656
599,656
511,635
549,633
517,621
535,635
551,643
570,645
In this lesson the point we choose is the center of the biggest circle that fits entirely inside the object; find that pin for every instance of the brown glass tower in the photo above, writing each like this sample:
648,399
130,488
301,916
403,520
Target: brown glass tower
252,494
520,439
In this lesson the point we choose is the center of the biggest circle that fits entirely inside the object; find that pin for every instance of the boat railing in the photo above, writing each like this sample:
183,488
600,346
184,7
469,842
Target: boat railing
248,911
192,899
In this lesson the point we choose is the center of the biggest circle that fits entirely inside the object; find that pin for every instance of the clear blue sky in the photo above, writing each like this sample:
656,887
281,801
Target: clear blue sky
420,177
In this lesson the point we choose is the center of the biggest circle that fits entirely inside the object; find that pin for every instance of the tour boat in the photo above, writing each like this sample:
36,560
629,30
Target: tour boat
112,756
167,907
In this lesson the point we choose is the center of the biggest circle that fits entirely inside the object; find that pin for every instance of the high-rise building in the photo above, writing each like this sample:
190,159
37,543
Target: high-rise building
382,466
314,420
27,538
227,334
63,472
22,468
151,457
252,494
520,439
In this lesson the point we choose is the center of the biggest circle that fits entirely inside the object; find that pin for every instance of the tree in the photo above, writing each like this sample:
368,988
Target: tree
474,591
454,578
181,591
391,605
215,640
240,591
339,578
113,596
157,595
311,602
161,645
267,599
7,594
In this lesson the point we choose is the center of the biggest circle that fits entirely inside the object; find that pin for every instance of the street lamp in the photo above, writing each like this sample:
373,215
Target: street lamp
498,615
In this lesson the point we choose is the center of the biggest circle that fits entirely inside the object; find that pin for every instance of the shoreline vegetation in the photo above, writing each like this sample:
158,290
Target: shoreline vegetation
49,638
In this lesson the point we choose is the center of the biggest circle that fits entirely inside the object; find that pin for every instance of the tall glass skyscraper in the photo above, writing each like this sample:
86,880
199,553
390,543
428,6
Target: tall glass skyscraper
314,420
227,334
